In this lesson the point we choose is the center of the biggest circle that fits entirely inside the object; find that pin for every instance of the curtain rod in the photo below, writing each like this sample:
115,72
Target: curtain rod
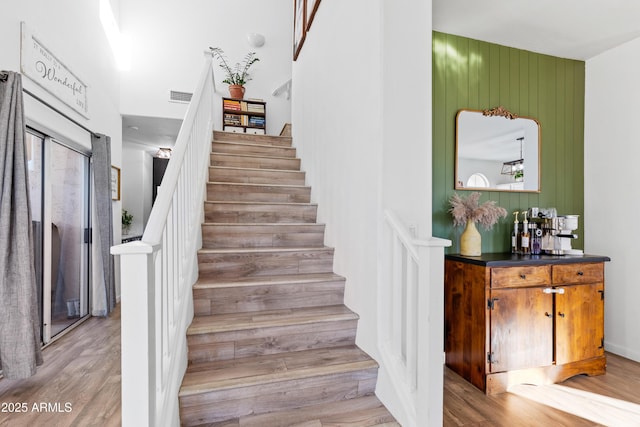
80,125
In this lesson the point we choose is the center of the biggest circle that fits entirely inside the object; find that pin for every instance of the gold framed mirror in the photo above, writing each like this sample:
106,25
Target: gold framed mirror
497,150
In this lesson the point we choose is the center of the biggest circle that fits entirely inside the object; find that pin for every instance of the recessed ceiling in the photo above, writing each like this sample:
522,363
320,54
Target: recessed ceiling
575,29
152,132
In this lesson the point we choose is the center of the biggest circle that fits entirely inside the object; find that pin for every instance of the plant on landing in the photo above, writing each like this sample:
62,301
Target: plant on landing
238,74
469,209
127,219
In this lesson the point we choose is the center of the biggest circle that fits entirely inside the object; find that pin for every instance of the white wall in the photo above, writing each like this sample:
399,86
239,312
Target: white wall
611,202
338,132
363,132
81,44
168,39
73,32
137,185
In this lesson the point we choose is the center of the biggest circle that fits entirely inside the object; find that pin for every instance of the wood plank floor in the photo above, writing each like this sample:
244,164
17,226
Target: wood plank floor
78,385
465,405
83,368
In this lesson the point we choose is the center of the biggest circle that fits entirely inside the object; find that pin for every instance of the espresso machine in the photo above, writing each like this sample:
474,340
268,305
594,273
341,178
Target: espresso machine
557,231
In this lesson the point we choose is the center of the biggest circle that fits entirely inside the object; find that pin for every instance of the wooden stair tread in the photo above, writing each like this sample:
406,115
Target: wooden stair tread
264,224
365,411
277,140
251,144
269,319
252,156
251,371
305,226
248,169
282,279
262,250
259,203
248,184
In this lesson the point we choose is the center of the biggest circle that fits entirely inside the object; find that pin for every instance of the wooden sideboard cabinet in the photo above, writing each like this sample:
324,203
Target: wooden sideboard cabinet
513,319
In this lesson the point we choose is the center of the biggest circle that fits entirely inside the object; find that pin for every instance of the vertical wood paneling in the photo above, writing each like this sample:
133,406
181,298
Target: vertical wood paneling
479,75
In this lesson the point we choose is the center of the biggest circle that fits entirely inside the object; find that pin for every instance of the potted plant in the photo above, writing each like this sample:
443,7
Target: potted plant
469,211
127,220
238,75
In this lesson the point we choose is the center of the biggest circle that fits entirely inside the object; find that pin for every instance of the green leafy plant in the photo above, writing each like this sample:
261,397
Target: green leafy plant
470,209
519,175
127,219
239,73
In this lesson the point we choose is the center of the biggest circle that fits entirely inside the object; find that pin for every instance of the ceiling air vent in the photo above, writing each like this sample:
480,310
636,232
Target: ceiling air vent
184,97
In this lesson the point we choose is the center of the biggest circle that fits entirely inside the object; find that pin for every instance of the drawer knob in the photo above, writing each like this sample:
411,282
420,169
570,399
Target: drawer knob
523,276
580,273
546,313
561,314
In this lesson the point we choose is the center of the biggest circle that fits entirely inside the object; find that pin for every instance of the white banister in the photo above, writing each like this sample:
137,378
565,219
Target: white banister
158,272
411,322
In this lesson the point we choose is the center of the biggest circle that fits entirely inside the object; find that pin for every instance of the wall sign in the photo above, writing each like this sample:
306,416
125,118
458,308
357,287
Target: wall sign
43,67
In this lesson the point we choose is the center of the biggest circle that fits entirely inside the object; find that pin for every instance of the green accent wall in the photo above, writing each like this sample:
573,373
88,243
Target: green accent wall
472,74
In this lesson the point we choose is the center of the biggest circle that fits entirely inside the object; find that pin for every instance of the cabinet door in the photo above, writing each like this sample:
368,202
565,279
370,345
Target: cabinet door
521,329
579,323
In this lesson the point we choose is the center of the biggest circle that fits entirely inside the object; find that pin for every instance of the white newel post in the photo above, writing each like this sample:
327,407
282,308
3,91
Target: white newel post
411,305
429,399
138,340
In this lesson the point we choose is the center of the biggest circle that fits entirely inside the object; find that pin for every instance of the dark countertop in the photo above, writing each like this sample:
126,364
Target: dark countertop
512,260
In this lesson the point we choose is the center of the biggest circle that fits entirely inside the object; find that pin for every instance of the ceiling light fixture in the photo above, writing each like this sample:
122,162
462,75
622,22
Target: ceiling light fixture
164,153
512,167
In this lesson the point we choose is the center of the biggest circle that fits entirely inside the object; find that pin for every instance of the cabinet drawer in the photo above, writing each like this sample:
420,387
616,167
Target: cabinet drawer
513,277
578,273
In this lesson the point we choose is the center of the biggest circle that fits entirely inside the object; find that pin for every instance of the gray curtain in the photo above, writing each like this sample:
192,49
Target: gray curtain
101,156
19,311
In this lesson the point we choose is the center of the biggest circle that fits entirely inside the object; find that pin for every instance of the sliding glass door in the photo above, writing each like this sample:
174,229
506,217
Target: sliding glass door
59,181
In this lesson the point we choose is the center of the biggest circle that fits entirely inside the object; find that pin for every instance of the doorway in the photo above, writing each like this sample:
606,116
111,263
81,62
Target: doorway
59,192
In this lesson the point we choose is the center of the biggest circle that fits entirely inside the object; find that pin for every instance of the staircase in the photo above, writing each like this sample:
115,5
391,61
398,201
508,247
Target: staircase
271,343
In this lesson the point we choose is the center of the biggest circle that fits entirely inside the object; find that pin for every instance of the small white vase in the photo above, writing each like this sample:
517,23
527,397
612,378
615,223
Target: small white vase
470,240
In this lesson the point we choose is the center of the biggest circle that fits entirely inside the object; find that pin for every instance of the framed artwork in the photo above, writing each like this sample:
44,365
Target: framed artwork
115,183
312,8
299,25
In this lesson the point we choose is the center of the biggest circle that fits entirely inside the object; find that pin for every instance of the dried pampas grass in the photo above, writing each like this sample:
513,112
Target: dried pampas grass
469,209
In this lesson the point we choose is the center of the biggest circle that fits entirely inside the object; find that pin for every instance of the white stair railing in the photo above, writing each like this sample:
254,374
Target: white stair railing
411,322
157,273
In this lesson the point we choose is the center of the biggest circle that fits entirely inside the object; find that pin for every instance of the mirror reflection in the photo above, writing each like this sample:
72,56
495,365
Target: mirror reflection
496,150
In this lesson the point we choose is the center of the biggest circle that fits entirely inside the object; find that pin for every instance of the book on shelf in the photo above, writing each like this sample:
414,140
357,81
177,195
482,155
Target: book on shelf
255,108
232,119
229,104
254,120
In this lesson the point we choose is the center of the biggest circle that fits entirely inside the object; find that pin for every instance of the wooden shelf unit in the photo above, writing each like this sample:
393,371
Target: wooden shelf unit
244,116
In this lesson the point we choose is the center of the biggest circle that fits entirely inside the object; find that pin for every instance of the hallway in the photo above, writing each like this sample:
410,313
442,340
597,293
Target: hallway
78,385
